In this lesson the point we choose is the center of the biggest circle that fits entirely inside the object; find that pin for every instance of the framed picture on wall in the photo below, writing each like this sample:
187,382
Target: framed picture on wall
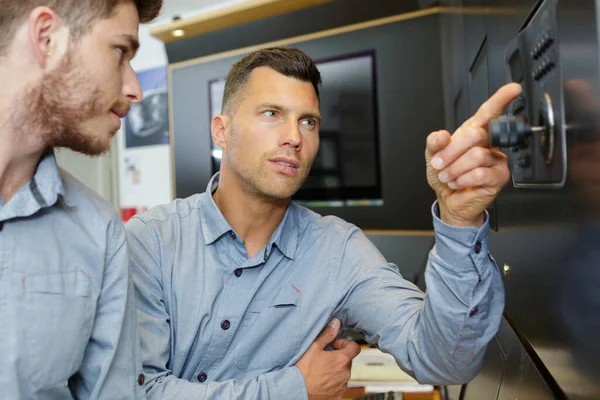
148,122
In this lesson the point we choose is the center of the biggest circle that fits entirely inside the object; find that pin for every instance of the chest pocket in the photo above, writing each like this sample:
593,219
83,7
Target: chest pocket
58,315
270,335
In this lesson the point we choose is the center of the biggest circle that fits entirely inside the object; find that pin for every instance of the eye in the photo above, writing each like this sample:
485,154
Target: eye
121,51
270,113
311,123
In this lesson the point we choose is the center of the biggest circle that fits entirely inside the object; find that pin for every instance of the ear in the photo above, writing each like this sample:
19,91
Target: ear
48,36
219,129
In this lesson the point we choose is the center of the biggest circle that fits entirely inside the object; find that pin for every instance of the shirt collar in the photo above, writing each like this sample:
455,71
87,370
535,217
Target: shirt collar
42,191
214,224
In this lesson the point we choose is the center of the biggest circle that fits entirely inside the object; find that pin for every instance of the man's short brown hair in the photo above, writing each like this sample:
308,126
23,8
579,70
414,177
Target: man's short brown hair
288,61
79,15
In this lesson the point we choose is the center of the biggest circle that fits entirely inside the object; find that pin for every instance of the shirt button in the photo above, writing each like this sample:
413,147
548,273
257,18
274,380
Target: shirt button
225,325
232,234
474,311
202,377
238,272
477,247
141,379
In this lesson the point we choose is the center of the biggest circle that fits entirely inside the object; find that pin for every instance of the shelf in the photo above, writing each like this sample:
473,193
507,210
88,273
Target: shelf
249,11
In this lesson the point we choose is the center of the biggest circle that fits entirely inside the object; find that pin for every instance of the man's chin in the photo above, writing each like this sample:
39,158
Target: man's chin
86,146
282,193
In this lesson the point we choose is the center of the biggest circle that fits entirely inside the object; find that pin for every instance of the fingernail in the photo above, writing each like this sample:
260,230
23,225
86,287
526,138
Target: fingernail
334,323
437,163
443,177
452,185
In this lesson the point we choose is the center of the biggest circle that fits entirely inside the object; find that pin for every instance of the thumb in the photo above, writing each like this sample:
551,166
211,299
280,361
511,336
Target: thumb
339,344
329,333
348,347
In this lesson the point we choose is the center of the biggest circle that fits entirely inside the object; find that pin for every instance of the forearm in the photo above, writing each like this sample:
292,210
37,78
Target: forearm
462,309
439,337
286,383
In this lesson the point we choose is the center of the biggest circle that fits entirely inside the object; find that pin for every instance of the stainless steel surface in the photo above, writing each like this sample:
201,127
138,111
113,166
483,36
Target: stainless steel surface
548,239
533,59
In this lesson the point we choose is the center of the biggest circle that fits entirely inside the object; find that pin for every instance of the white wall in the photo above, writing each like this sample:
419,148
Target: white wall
99,173
152,51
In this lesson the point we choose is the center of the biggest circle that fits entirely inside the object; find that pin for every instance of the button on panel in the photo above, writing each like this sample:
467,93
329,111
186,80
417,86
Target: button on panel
542,45
525,161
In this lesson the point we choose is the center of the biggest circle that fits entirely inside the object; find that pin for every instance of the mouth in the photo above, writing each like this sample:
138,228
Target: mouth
117,119
287,166
121,112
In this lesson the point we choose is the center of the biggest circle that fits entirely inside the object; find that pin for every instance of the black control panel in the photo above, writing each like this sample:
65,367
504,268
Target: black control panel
533,60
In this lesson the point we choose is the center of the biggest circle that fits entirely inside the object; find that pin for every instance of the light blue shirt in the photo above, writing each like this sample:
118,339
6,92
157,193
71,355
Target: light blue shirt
217,325
67,313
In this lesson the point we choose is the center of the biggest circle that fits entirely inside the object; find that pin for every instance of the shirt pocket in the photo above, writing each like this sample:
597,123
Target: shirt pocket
58,315
270,336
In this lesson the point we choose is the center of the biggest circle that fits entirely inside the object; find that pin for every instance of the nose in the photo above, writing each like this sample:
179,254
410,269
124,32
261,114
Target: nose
131,86
291,136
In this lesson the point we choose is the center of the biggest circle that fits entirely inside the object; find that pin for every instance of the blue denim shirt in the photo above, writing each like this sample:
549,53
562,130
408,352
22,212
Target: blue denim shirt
68,325
217,325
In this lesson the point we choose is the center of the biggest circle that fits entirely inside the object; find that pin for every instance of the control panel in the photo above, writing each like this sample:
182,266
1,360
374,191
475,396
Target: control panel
533,132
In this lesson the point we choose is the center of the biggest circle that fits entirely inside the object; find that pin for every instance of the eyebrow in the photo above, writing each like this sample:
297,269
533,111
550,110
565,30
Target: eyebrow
133,43
276,107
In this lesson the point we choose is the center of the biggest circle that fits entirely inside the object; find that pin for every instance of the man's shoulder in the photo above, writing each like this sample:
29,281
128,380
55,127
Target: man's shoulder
178,208
86,202
93,215
319,224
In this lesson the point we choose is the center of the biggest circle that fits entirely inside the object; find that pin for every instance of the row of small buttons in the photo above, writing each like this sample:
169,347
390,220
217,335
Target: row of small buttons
543,44
518,106
238,272
543,68
225,325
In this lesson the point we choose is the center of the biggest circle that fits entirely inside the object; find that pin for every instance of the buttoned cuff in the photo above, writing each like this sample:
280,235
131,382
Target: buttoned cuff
461,248
287,383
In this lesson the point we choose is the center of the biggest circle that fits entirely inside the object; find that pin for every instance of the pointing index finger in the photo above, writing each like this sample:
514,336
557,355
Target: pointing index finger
494,106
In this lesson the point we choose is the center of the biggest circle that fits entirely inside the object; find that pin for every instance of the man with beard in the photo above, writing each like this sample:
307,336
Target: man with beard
235,284
66,298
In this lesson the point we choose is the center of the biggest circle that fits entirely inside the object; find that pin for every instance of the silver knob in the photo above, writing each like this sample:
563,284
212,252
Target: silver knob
506,270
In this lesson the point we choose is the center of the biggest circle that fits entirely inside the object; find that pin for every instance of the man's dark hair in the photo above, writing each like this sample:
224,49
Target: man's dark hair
288,61
79,15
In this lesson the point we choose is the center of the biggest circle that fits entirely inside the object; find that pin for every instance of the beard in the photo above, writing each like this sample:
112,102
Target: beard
59,106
